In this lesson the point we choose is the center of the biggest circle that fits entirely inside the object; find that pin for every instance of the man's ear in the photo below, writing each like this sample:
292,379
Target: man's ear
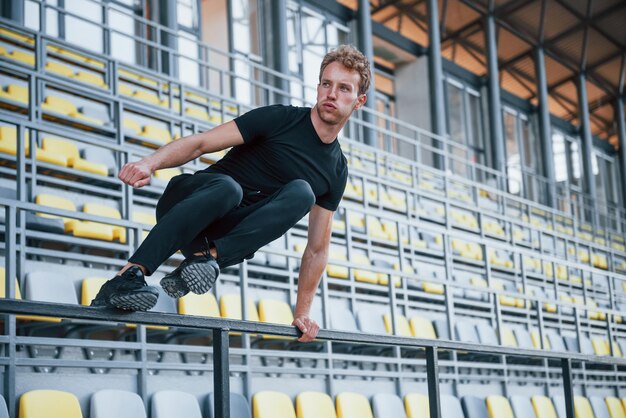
360,101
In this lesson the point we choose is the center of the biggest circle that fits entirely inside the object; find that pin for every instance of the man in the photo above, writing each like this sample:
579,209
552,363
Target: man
285,161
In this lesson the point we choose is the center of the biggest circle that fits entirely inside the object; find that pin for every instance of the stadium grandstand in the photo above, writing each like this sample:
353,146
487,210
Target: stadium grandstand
478,259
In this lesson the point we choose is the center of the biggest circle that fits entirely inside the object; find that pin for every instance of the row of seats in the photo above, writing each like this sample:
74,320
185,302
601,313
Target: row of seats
110,403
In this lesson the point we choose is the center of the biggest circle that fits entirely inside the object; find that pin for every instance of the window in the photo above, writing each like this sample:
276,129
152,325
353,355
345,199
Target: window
246,18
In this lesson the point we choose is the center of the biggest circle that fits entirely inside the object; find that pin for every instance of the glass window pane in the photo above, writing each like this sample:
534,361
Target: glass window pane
560,163
81,31
455,113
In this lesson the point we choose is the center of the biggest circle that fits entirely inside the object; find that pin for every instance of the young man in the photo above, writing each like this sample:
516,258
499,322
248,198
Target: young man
285,161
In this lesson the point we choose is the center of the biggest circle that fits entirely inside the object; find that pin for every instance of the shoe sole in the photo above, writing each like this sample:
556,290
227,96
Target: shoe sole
174,286
143,300
199,277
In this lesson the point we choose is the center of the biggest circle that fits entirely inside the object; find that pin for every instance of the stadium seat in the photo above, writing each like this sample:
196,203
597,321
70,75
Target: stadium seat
466,332
534,336
370,321
522,336
49,404
8,140
339,272
342,319
230,307
583,408
314,405
474,407
275,312
110,403
11,34
508,337
599,407
387,405
402,325
499,407
556,341
543,407
522,407
97,230
24,57
615,407
15,93
441,326
90,78
486,334
45,286
451,407
158,135
65,107
69,151
173,403
270,404
4,413
352,405
200,305
363,275
422,328
239,407
59,68
416,405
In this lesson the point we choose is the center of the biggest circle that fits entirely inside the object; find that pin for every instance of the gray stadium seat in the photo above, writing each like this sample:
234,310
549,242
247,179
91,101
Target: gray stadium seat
43,286
173,403
486,334
111,403
102,156
342,319
556,341
466,332
571,344
370,321
274,260
523,338
522,408
388,405
165,303
441,326
474,407
599,407
4,413
451,407
239,407
38,223
559,405
585,346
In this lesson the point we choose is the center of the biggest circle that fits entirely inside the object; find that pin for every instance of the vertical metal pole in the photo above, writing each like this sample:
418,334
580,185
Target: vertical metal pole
435,78
280,49
9,322
221,374
545,134
495,108
621,134
568,387
364,31
432,373
587,148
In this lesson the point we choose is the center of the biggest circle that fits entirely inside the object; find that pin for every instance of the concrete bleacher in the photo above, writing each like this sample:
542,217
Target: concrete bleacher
409,243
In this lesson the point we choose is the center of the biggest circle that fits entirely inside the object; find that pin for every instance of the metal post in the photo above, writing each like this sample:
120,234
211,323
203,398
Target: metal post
435,78
221,374
545,134
568,387
364,30
495,108
621,134
587,147
432,373
280,50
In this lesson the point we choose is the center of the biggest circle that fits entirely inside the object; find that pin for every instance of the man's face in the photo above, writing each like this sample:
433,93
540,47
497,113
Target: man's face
338,94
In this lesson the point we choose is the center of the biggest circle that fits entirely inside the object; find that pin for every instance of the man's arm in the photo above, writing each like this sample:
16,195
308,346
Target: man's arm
181,151
311,268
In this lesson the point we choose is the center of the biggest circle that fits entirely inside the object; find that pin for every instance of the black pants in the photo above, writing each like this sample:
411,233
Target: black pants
201,207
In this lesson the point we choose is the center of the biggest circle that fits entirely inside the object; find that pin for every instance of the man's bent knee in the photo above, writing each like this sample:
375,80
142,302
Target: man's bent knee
231,190
300,195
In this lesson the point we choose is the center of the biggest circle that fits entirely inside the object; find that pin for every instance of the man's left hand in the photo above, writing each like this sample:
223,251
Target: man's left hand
308,327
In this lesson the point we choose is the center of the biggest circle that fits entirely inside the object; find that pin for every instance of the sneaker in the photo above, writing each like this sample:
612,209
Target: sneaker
128,291
197,274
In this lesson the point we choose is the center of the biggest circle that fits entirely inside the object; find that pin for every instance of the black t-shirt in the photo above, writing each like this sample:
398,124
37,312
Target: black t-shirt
281,145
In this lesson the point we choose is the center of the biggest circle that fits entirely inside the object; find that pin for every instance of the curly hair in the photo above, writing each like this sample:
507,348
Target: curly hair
352,59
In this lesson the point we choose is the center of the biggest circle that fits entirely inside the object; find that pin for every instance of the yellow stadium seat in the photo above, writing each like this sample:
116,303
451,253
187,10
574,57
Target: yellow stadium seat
353,405
97,230
8,140
339,272
422,328
90,78
197,113
49,404
275,312
196,97
90,288
166,174
499,407
18,294
59,69
69,151
504,299
582,407
416,405
508,337
543,407
156,133
8,33
270,404
125,89
314,405
615,408
128,74
230,307
534,335
144,217
24,57
65,107
58,203
200,305
132,125
147,96
404,330
15,93
360,275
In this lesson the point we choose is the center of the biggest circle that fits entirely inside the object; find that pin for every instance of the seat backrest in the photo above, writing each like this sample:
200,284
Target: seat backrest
44,286
111,403
599,407
466,332
61,146
164,303
239,407
4,413
370,321
559,405
3,273
270,404
571,343
90,288
441,326
499,407
556,341
486,334
49,404
353,405
522,408
416,405
523,338
422,328
102,210
543,407
173,403
586,347
474,407
402,325
451,407
615,408
100,155
387,405
57,202
342,319
275,312
230,307
315,405
200,305
583,408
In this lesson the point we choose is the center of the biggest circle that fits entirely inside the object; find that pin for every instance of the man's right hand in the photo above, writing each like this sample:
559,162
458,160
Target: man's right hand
136,174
